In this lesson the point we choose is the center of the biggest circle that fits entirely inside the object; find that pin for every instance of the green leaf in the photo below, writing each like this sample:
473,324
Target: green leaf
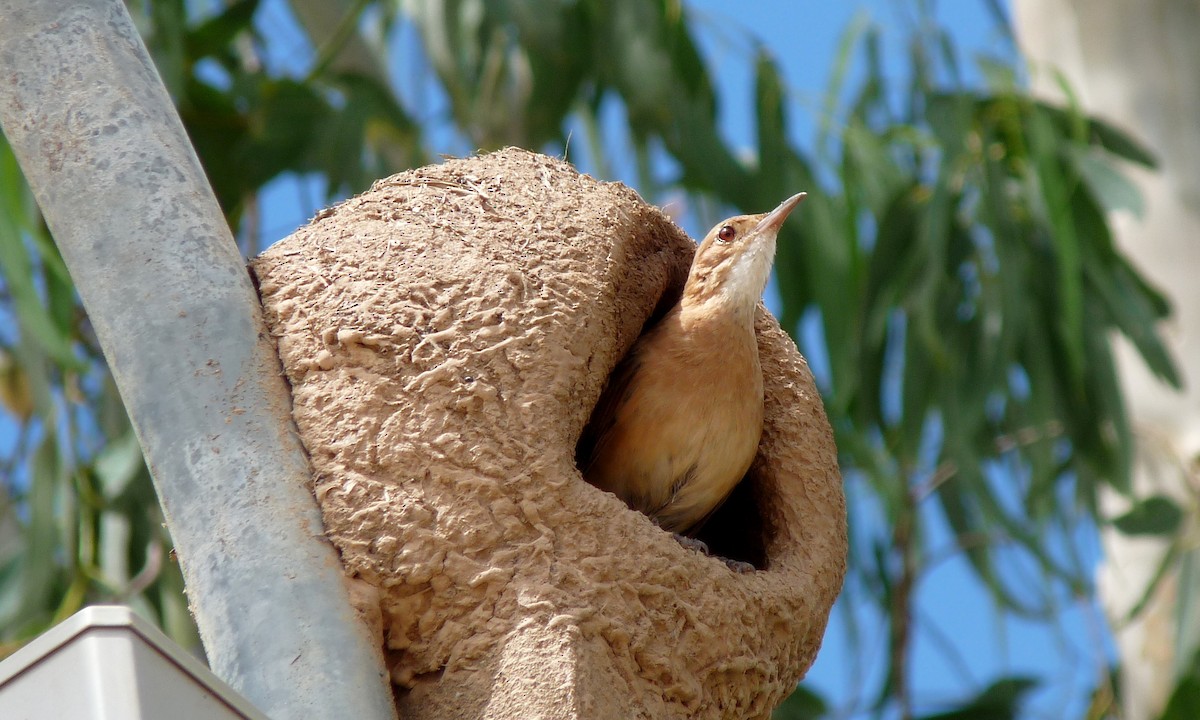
1055,190
1002,700
11,589
377,101
773,149
283,131
802,704
118,464
1121,144
1135,310
1187,622
1107,438
948,54
998,73
18,272
1098,131
950,117
856,29
917,389
1111,187
39,565
999,17
1155,515
167,43
869,169
339,155
825,258
215,34
218,130
1184,703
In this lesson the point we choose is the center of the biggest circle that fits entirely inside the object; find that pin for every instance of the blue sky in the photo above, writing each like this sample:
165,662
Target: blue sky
962,643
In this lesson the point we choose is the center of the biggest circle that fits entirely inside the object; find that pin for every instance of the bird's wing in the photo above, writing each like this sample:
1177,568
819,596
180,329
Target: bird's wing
692,526
599,428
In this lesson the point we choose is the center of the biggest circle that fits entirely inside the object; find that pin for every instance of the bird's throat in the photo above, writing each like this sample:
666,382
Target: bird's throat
718,324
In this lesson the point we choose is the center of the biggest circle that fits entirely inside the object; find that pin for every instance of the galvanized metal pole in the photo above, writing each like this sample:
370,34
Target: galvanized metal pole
169,296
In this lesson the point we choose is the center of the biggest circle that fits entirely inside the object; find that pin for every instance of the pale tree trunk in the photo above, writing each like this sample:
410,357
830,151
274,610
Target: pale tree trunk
1138,66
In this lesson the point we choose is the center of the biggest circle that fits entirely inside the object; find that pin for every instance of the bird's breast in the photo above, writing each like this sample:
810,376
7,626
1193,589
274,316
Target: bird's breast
688,426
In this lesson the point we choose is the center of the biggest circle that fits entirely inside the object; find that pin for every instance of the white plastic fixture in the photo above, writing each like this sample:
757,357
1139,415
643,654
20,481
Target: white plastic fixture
106,663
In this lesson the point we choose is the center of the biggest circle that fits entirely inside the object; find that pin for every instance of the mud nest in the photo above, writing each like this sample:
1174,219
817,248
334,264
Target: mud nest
447,335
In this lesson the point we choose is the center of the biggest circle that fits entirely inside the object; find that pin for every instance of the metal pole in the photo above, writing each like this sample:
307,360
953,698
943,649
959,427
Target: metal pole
168,293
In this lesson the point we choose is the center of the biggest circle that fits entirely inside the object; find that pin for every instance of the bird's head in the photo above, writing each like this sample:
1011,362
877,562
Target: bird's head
734,260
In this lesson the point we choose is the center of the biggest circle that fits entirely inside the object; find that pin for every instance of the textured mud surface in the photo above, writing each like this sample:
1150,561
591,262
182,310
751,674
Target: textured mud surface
447,335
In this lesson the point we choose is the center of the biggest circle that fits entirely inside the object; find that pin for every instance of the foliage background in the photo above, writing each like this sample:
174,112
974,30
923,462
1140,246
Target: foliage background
952,278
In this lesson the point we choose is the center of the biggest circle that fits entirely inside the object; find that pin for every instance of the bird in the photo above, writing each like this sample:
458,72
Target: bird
679,421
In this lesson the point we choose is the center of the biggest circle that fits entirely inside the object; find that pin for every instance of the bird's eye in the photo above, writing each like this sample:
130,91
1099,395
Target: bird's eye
726,233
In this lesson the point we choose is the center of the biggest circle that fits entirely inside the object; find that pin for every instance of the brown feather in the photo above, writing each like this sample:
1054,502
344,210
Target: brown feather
679,423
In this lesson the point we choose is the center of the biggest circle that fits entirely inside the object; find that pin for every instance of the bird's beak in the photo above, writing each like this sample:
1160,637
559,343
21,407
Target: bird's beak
774,220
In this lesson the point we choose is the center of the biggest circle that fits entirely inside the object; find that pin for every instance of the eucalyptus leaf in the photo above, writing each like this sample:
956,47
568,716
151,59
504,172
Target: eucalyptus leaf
216,33
1156,515
802,704
773,149
1115,191
118,464
1136,314
1121,144
1056,187
1002,700
168,43
40,565
1184,702
17,270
